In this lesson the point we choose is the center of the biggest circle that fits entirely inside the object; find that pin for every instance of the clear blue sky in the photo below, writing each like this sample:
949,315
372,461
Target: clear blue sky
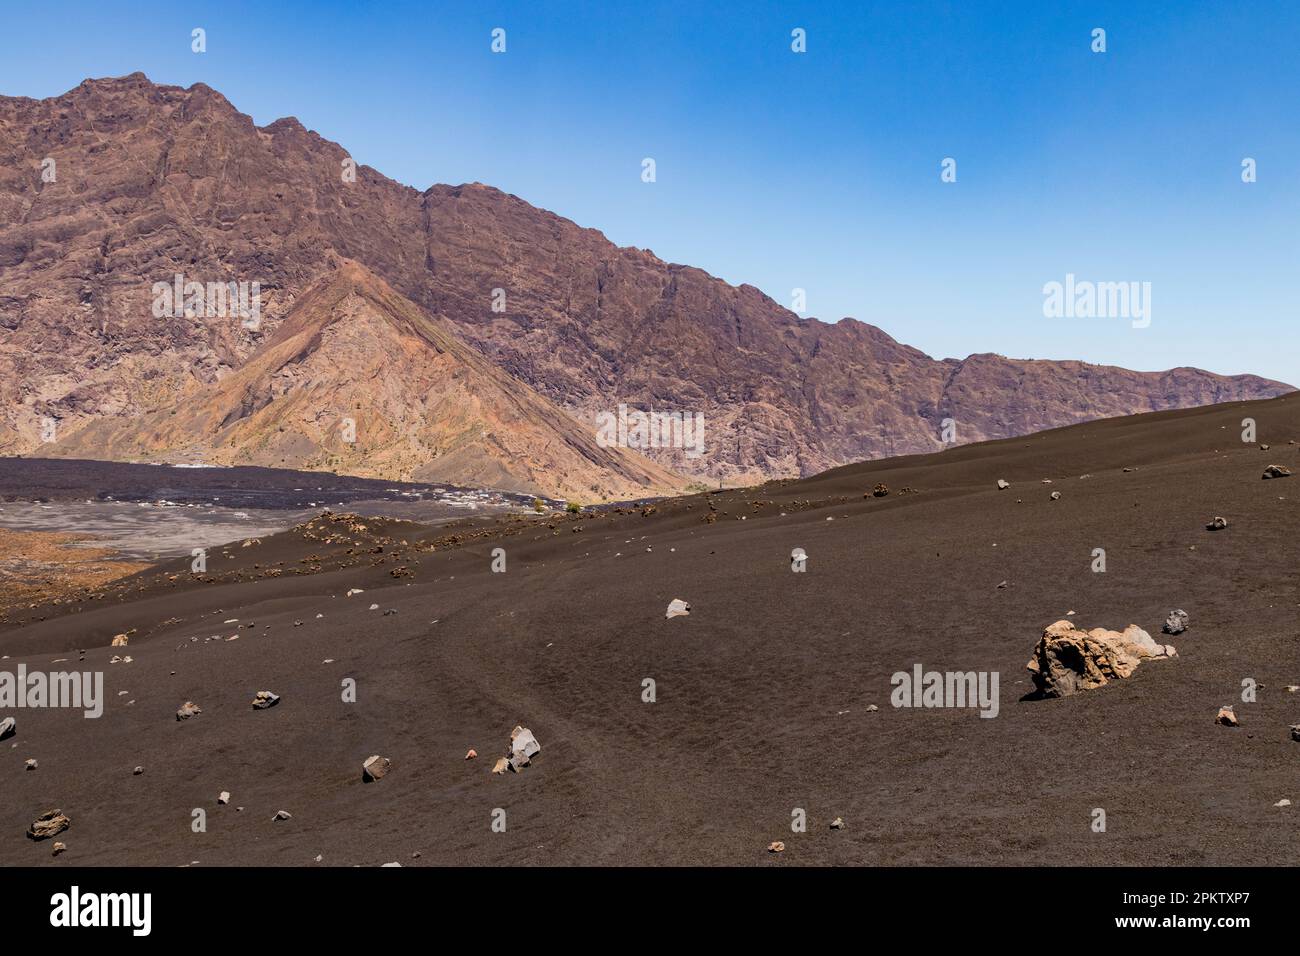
819,170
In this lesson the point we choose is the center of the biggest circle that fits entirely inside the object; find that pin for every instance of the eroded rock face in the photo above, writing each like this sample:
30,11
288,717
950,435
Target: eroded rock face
157,180
1068,659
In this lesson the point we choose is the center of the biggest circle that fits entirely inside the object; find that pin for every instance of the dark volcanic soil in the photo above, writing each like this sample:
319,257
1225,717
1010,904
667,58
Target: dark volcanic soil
762,692
52,479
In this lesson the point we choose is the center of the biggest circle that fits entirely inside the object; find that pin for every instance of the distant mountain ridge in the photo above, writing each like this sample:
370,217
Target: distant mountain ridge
154,181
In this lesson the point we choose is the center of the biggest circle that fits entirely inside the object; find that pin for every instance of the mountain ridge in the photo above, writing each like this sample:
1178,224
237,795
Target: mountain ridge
159,180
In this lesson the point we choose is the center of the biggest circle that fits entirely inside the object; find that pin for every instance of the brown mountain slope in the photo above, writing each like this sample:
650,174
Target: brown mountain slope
352,359
155,180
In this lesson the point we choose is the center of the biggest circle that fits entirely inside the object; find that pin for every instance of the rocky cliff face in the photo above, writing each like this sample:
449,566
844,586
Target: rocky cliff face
121,184
359,380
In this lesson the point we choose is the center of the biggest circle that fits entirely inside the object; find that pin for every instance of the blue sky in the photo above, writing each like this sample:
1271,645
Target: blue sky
817,170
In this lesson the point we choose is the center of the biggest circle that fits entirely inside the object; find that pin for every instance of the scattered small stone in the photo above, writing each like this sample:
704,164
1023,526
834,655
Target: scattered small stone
1176,622
678,608
1283,803
119,640
188,709
8,727
31,763
1218,524
1295,732
48,824
1056,496
282,815
58,848
375,768
837,823
137,771
265,699
352,591
1003,484
374,607
471,754
223,797
501,765
1227,717
393,610
880,491
1277,471
776,846
872,708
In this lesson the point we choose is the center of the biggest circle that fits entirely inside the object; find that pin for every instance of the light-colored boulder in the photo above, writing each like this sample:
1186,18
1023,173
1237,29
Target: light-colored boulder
1068,659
